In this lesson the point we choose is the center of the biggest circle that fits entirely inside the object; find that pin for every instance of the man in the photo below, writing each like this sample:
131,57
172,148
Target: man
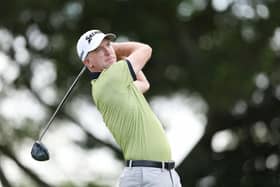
118,85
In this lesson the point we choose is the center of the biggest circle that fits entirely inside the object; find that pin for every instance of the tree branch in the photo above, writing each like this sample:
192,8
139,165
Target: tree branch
3,180
69,117
7,152
115,149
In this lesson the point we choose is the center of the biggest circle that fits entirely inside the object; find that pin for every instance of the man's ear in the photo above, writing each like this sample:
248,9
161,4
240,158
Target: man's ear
86,62
88,65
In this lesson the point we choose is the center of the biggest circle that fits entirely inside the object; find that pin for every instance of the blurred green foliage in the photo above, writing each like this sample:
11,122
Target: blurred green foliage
229,55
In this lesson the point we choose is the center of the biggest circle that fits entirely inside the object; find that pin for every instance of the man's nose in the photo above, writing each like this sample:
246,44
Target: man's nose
106,51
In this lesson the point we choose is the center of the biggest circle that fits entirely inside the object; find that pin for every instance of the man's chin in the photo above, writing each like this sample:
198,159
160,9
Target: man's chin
108,64
111,62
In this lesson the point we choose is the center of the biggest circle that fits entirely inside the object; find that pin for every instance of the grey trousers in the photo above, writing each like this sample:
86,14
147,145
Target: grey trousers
149,177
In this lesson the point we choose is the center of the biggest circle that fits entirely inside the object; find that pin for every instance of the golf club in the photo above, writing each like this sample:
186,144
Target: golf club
39,151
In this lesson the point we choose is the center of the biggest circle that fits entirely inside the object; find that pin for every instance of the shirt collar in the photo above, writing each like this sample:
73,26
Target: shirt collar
94,75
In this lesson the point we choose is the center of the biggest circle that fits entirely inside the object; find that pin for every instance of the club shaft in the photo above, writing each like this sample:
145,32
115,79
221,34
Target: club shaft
61,104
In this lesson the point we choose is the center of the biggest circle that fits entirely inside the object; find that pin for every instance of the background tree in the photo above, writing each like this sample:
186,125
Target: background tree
225,51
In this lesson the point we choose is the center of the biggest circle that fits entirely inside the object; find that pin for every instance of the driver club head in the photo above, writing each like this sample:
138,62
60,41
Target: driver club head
39,152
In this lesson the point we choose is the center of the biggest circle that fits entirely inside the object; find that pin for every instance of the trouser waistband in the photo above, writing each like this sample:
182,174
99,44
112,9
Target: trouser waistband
148,163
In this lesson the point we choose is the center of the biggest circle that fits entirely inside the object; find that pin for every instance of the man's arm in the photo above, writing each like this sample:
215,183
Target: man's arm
142,83
137,53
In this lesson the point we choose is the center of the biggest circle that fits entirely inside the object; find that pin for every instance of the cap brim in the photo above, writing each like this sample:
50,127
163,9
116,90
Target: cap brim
110,36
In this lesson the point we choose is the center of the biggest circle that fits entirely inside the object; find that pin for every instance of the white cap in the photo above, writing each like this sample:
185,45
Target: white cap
90,40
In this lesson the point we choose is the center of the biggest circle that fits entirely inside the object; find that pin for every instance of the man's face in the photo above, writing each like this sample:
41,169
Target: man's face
102,57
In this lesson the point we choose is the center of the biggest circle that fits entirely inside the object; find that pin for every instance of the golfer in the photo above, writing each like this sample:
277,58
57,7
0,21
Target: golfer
118,84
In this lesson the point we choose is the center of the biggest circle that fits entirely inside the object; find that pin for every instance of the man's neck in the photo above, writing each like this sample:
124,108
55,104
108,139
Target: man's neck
94,75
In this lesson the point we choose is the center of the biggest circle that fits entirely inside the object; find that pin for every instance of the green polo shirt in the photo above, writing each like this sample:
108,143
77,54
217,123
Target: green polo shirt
128,115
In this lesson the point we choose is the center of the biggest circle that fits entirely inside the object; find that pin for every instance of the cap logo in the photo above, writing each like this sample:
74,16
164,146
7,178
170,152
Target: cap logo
89,37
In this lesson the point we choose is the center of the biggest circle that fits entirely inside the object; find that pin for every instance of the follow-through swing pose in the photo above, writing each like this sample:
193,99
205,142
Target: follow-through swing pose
118,84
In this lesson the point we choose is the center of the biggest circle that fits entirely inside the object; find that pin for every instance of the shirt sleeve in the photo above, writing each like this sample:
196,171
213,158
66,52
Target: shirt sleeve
120,74
133,75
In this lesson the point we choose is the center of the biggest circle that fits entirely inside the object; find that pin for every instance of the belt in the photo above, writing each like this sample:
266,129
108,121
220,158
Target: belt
148,163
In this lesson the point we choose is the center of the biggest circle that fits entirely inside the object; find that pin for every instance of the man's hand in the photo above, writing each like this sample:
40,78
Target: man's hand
142,83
